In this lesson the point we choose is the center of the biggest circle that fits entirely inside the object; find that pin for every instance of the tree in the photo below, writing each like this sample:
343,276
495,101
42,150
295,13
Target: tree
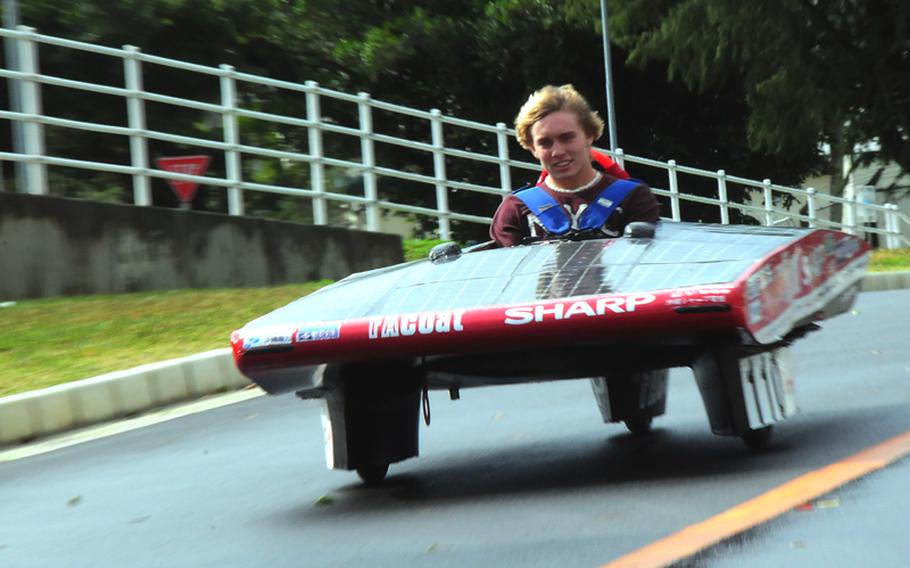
483,62
813,72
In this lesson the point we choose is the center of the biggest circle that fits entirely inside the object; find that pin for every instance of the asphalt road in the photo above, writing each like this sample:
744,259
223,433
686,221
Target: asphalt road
512,475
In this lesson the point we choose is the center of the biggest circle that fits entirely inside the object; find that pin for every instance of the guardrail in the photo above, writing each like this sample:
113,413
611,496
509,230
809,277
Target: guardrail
497,140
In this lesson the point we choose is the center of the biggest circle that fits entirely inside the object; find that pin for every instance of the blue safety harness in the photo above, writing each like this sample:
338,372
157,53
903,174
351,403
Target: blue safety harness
554,217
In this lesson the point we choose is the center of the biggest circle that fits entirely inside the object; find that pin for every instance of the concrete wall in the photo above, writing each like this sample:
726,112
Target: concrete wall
52,246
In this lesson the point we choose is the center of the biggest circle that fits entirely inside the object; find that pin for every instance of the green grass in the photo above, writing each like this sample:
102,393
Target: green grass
52,341
418,249
890,260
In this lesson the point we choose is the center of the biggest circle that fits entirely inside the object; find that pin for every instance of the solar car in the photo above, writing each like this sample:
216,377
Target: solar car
725,300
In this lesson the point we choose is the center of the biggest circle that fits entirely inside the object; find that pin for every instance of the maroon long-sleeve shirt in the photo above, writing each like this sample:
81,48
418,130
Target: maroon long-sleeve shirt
513,221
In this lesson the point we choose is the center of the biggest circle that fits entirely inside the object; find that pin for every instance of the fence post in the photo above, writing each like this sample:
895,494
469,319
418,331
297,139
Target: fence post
892,226
32,129
619,156
889,234
849,226
811,207
674,190
858,228
502,142
135,112
769,202
317,168
14,90
233,173
722,197
368,159
439,169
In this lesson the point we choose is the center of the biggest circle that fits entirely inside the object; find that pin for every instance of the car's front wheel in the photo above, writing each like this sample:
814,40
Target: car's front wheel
373,474
640,425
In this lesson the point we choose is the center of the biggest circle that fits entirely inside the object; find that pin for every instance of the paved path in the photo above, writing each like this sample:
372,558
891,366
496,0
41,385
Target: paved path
513,475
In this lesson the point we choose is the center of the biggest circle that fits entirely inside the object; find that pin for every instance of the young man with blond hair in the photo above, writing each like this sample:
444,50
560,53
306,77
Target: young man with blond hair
580,189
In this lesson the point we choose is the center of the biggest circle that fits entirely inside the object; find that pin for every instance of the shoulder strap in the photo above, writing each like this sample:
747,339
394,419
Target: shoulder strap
547,210
598,211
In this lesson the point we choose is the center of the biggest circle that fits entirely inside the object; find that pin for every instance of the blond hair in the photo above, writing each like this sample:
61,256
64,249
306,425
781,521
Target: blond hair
551,99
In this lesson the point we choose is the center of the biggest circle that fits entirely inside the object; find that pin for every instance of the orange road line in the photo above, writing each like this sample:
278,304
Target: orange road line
777,501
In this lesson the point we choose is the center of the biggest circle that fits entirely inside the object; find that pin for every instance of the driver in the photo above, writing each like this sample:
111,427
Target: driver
580,190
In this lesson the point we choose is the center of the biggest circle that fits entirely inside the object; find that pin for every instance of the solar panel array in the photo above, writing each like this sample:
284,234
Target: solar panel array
680,254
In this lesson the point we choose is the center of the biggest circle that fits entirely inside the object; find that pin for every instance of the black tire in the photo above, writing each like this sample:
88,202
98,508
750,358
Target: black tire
757,439
639,426
373,474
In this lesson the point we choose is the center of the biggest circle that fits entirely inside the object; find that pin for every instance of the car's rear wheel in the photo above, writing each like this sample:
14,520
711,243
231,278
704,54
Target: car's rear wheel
373,474
757,439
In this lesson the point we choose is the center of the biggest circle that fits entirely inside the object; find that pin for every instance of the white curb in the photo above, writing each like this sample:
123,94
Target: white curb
876,281
114,395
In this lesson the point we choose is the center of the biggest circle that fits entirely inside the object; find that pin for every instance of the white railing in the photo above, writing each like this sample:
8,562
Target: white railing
229,108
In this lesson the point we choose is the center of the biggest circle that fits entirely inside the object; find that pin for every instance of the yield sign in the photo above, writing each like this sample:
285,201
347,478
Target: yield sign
192,165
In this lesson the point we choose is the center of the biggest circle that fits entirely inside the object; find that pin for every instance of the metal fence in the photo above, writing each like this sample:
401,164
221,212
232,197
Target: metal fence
429,188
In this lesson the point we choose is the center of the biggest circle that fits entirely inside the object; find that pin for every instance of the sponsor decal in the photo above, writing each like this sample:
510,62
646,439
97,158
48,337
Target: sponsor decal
268,338
785,283
318,331
755,311
701,291
685,300
845,249
521,315
829,244
699,295
813,265
777,284
811,278
758,281
445,321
